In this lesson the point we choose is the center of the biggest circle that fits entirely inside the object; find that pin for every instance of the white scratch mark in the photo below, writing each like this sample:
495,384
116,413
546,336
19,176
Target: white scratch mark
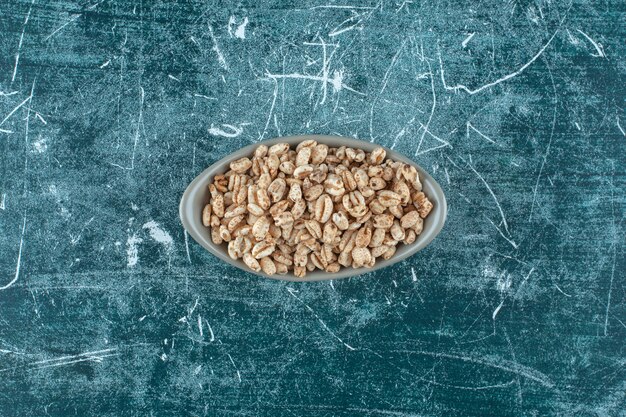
10,351
231,22
470,91
545,156
452,162
620,127
92,354
90,359
19,254
468,202
234,366
212,338
276,125
561,291
105,64
571,38
495,199
447,175
2,201
194,307
346,29
402,6
200,326
232,132
336,81
95,356
26,131
75,239
7,131
478,388
333,6
505,286
203,96
216,49
497,310
414,279
608,301
72,18
324,326
132,252
325,65
470,126
527,276
137,128
469,38
269,115
599,49
444,143
41,118
501,364
385,80
26,100
402,132
418,151
616,318
171,77
322,43
187,246
19,46
515,246
193,157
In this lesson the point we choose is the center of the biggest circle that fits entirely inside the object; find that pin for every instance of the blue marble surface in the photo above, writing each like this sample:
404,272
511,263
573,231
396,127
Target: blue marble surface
109,108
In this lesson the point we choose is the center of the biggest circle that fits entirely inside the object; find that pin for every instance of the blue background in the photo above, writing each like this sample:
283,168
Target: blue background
108,109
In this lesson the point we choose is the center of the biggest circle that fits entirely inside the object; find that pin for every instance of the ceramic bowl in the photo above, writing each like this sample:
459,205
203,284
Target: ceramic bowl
196,196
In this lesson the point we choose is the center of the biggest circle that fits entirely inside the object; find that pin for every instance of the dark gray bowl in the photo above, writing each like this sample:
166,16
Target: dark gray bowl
197,195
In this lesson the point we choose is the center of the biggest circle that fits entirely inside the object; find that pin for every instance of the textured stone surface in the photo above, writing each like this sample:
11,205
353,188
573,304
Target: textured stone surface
108,109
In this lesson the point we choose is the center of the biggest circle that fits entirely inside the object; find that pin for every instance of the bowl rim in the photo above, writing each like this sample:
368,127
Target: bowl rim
192,222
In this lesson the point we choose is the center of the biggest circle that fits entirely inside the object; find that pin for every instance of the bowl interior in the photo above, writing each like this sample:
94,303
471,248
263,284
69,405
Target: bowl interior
196,196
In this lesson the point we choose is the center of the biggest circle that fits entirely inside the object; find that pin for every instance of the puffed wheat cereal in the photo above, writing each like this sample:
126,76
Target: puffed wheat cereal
314,207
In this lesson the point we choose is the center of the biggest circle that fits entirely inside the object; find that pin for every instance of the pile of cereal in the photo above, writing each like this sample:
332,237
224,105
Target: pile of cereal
315,207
